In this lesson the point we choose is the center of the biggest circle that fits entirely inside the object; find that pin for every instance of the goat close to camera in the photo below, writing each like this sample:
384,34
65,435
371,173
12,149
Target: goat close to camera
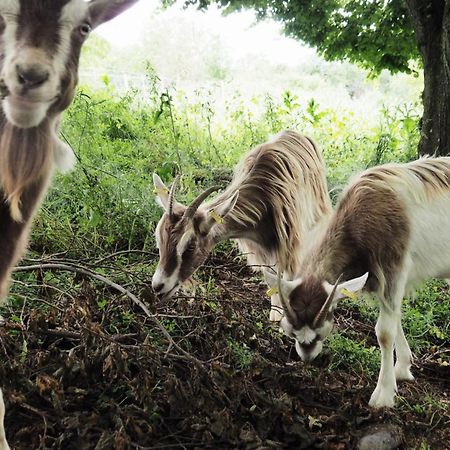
390,231
40,44
278,193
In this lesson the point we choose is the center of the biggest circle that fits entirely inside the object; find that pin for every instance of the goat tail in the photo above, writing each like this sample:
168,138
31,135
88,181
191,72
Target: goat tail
25,158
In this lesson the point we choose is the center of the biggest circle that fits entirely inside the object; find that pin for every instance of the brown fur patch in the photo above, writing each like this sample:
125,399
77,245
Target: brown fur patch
170,233
38,23
369,232
13,235
196,251
306,300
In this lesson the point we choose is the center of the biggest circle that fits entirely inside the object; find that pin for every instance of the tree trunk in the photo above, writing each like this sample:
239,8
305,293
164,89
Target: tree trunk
431,22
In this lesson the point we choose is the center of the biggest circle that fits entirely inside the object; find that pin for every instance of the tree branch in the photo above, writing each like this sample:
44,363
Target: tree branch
122,290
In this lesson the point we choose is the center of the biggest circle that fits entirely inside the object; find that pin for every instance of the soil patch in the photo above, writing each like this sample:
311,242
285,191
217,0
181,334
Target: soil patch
90,370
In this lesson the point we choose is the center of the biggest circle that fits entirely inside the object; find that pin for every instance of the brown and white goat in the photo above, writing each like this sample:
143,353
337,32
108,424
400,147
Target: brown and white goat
40,44
390,231
278,193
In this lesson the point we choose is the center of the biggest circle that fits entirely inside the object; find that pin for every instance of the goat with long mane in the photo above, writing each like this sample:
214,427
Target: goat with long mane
390,231
278,193
40,44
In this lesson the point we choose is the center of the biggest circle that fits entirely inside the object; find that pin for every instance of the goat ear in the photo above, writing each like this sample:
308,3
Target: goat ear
286,285
161,191
354,285
64,156
350,286
271,278
217,214
101,11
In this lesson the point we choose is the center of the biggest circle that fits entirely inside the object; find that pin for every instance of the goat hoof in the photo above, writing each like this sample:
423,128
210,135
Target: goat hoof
381,399
403,374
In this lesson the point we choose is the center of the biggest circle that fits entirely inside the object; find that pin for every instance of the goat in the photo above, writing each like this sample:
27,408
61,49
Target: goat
40,43
277,194
390,231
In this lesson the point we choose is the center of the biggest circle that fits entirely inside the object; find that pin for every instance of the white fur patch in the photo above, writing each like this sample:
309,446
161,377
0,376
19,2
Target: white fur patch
64,156
9,6
72,15
286,326
158,234
184,241
74,11
169,283
305,335
9,35
25,117
308,356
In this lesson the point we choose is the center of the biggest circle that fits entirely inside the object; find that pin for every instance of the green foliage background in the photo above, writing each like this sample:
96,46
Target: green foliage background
377,34
106,204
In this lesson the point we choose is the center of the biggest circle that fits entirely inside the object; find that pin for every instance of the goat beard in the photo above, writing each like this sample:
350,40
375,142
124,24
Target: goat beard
25,158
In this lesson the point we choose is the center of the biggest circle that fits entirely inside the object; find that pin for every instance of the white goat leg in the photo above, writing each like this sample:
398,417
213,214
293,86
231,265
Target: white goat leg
403,356
386,330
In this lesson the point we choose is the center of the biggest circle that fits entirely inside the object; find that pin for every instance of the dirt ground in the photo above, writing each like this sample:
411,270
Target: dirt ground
91,370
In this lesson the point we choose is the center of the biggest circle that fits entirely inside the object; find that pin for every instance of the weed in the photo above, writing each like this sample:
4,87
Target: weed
352,355
241,354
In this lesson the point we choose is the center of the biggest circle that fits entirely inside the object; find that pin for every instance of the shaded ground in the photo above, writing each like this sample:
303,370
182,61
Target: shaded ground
85,368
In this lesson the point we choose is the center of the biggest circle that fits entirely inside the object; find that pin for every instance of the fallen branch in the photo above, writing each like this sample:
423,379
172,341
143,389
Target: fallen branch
122,290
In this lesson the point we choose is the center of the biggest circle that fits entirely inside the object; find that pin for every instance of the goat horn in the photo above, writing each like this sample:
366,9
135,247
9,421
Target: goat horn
290,314
192,208
172,195
326,306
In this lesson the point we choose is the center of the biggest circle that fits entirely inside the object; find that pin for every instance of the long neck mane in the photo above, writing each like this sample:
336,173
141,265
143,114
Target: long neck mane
282,195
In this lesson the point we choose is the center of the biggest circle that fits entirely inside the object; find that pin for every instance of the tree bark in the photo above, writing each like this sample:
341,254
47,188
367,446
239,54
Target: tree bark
431,22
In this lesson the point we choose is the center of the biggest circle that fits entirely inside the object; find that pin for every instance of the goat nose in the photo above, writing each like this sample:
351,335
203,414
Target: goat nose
158,287
32,76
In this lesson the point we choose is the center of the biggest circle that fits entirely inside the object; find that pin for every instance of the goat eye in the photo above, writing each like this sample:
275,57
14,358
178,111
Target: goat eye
85,29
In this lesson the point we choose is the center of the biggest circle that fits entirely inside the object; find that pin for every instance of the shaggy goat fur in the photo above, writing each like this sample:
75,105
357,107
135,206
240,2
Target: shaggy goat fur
277,195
